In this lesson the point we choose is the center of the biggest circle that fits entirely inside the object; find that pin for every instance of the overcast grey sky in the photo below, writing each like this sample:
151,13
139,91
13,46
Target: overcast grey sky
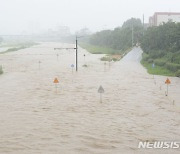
17,16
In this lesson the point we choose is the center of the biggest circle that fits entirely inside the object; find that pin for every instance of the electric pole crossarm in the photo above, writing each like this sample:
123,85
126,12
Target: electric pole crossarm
64,48
76,48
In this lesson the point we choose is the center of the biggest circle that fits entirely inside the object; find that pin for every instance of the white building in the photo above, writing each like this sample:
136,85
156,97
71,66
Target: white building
159,17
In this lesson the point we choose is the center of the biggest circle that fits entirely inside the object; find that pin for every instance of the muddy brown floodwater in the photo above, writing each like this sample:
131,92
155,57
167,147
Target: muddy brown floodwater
35,119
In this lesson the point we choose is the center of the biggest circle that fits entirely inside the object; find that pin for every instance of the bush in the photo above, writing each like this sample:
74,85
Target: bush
145,56
177,73
172,67
156,53
176,57
107,58
150,60
85,65
160,62
114,59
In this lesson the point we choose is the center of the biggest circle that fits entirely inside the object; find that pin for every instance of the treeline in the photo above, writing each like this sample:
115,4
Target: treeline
121,37
161,45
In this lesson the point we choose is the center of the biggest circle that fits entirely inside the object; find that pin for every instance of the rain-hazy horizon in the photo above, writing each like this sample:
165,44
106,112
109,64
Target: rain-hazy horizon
36,16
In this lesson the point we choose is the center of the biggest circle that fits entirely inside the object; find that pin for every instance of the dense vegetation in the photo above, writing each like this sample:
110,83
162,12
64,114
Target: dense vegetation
161,45
120,38
17,46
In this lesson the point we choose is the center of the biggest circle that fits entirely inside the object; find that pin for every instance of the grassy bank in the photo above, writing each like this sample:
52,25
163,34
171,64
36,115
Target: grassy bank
158,69
98,50
111,54
16,47
163,49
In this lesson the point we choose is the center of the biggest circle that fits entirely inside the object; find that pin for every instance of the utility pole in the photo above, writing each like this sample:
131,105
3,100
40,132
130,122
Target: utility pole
132,35
76,48
76,54
77,51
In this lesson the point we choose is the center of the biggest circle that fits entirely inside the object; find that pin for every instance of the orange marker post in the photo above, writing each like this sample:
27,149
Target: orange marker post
167,82
56,81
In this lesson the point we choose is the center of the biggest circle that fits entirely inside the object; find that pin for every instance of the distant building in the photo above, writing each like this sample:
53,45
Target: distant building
60,31
83,32
63,31
159,17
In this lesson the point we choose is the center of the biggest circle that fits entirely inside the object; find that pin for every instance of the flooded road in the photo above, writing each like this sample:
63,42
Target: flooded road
34,118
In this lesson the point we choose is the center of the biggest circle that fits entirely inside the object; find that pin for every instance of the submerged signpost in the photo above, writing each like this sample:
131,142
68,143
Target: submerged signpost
104,66
57,57
39,64
84,59
101,91
56,81
76,48
153,66
72,66
167,82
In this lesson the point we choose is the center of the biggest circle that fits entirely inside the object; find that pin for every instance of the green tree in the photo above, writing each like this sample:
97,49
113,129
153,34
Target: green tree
162,45
121,37
132,22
